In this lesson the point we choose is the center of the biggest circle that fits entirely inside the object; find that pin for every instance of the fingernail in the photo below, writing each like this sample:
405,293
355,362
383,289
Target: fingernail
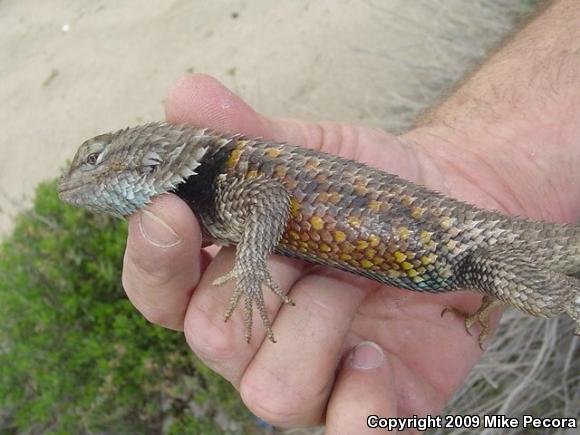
367,355
157,231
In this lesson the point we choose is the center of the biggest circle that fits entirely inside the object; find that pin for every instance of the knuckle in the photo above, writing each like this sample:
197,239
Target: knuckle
154,271
149,294
208,338
216,346
278,409
138,276
160,317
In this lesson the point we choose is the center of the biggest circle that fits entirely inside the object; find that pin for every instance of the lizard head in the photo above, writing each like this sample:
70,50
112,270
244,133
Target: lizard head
118,173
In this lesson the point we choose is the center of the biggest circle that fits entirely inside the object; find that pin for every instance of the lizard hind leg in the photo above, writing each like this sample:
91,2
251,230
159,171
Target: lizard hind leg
571,301
516,279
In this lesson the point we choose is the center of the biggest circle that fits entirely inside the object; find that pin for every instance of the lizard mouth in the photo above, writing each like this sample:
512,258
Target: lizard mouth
64,186
65,189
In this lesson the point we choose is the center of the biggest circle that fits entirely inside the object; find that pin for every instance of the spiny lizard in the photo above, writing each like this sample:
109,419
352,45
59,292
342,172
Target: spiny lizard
270,197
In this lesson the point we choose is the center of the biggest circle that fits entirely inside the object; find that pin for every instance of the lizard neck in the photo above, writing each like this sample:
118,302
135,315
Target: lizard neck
199,190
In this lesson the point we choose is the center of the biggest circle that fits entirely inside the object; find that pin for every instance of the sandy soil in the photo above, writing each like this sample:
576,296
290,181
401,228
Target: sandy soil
71,69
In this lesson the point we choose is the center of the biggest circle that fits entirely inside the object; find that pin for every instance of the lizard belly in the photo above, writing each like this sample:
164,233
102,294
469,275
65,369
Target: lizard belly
368,243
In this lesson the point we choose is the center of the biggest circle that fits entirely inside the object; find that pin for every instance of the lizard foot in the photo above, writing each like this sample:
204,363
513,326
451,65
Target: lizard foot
249,285
481,316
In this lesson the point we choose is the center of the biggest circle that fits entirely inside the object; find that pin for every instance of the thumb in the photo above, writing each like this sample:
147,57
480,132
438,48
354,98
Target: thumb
364,387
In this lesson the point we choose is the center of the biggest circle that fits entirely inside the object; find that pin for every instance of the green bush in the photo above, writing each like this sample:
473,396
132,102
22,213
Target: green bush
75,356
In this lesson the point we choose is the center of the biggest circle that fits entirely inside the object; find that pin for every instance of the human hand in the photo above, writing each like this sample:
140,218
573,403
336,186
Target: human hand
310,376
506,139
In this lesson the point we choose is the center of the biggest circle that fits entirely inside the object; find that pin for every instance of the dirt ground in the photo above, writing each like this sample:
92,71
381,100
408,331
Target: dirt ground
73,68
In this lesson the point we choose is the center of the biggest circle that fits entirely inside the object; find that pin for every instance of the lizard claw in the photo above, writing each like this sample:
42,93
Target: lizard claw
249,286
469,319
480,316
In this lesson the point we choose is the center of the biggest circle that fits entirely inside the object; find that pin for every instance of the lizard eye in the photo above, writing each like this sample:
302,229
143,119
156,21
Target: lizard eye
93,158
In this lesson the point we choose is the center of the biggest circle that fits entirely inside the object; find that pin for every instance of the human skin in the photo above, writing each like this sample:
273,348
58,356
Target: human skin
506,139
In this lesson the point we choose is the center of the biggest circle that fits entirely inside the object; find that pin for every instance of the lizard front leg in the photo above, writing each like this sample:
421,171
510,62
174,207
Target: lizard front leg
257,210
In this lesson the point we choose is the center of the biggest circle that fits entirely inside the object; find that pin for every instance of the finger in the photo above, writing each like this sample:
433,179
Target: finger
203,101
222,345
162,261
289,384
364,387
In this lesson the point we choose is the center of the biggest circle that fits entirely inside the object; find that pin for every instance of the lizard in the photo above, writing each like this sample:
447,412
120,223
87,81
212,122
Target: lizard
266,197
